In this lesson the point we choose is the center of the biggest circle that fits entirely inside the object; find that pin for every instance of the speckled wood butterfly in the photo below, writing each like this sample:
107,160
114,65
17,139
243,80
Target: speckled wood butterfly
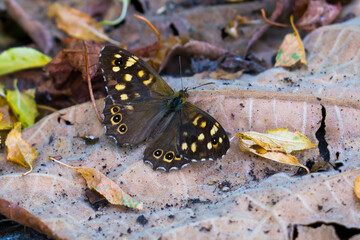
141,106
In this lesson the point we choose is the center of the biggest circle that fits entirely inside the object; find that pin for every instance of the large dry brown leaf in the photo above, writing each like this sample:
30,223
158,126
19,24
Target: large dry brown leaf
255,203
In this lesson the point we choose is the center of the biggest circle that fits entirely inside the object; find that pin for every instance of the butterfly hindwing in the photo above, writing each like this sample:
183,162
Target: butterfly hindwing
190,135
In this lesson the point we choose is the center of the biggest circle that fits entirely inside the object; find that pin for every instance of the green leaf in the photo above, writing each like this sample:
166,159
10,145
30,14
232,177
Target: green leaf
23,106
19,58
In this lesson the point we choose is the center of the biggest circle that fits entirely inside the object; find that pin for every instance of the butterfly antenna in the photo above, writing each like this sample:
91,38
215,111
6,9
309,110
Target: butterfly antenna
201,85
182,86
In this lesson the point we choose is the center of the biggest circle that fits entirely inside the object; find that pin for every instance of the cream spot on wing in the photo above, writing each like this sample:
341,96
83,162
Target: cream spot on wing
131,108
220,140
193,147
117,55
147,82
201,137
130,62
128,77
195,122
120,87
124,97
203,124
136,94
185,134
209,145
213,130
135,57
184,146
116,69
141,73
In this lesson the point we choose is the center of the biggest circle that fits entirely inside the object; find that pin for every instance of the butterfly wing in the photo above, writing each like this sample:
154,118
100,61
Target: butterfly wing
137,96
190,135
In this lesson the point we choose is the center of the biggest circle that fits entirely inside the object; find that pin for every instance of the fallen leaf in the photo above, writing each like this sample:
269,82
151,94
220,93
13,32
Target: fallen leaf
22,216
317,14
23,105
35,29
5,120
67,84
78,24
110,190
291,51
19,58
275,145
232,27
19,151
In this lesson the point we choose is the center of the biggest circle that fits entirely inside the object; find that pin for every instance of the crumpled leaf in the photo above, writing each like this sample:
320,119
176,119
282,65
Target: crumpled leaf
291,51
275,145
19,58
19,151
78,24
110,190
317,14
23,105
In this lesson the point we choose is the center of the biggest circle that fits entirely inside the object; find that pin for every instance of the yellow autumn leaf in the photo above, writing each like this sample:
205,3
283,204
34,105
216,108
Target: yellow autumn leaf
105,186
78,24
275,145
291,51
19,151
357,187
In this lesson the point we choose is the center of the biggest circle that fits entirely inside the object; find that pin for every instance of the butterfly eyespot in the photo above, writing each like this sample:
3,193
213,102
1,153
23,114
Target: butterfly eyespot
214,141
115,109
157,153
169,156
177,157
122,128
116,119
118,62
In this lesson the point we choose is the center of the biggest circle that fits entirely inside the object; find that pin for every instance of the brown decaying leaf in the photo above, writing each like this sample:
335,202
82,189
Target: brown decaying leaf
318,13
105,186
23,217
78,24
68,75
19,150
41,36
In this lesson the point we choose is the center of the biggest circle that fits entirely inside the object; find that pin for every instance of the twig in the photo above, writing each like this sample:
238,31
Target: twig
44,107
271,22
152,27
89,82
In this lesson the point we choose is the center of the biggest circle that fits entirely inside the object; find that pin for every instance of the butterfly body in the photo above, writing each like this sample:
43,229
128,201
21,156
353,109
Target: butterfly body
141,106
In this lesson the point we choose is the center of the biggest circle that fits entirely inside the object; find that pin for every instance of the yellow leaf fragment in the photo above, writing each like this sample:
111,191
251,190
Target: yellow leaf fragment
78,24
275,145
291,51
105,186
19,151
357,187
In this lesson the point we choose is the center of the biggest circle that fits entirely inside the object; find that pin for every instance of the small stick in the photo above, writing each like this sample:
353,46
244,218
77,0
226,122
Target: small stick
271,22
89,82
152,27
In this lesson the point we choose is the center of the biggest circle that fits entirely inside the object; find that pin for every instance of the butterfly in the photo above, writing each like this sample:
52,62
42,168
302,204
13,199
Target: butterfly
141,106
